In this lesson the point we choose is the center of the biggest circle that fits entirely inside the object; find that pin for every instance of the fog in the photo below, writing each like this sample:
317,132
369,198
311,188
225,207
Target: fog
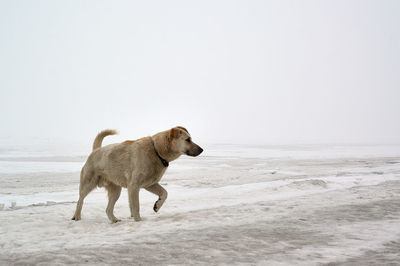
230,71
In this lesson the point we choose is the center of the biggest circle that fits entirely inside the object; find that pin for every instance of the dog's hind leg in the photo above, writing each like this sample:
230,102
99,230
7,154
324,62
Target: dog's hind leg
162,194
114,192
86,185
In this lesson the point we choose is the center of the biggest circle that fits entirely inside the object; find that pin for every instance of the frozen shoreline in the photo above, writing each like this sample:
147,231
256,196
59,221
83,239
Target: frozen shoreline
221,209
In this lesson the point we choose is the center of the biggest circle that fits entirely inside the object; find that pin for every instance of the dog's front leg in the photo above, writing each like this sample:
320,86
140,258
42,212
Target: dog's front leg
160,192
133,194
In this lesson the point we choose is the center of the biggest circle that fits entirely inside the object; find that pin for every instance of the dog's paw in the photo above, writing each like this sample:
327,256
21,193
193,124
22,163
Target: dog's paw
137,218
156,208
115,220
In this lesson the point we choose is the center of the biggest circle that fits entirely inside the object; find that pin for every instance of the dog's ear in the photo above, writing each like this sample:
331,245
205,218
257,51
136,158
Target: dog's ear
175,133
184,129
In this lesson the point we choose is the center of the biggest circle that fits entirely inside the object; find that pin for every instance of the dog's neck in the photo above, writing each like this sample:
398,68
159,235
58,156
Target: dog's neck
163,147
164,162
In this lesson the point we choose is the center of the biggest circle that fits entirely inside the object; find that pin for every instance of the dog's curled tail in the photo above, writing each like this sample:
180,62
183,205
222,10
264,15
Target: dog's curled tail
99,138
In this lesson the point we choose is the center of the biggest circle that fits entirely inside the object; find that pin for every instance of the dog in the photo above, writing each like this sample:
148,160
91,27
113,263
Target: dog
133,165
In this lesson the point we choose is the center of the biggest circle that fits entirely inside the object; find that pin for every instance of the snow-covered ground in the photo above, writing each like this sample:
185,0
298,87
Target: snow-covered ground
235,204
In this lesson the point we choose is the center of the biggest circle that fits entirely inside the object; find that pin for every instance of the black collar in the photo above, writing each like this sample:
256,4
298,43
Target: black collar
164,162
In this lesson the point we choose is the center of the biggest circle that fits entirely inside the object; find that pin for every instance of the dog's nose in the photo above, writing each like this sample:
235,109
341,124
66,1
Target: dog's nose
200,150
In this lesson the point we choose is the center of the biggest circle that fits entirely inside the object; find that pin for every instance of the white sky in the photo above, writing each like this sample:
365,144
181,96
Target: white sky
229,71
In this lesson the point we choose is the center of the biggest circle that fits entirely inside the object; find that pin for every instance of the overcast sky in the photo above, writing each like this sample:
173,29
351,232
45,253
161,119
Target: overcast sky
230,71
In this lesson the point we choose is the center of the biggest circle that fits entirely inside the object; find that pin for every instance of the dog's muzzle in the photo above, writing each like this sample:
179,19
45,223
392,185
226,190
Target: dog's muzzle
195,151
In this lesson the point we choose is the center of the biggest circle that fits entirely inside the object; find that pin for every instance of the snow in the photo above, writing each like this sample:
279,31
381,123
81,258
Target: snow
234,204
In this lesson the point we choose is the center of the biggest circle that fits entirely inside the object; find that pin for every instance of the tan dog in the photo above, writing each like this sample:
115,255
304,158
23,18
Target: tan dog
133,165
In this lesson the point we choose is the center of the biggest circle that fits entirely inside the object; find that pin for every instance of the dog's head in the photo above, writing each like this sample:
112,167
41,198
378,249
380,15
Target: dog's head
181,142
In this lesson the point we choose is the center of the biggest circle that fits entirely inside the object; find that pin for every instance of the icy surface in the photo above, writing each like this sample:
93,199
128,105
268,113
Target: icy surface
265,205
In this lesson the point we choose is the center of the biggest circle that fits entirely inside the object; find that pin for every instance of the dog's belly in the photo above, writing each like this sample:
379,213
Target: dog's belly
105,179
112,175
119,181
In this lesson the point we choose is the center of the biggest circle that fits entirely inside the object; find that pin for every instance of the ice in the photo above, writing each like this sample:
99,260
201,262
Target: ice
235,204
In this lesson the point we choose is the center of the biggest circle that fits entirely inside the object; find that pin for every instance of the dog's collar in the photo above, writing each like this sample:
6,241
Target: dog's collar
164,162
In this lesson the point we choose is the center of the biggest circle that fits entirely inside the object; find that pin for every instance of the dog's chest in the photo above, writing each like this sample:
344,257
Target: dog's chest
153,177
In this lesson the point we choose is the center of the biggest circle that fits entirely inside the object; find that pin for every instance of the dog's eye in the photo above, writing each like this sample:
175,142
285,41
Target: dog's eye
188,140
